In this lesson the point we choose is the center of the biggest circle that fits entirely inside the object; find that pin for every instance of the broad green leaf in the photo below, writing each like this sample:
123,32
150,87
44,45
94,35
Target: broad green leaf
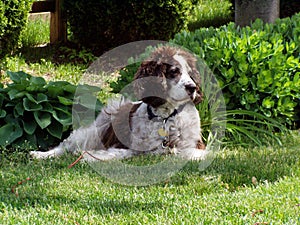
62,116
29,126
65,101
70,88
19,110
47,107
19,87
31,106
56,130
41,98
56,88
43,119
9,133
40,81
17,77
54,91
12,93
31,98
15,94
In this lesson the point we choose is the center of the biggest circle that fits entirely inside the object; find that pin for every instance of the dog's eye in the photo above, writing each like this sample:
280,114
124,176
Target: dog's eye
173,72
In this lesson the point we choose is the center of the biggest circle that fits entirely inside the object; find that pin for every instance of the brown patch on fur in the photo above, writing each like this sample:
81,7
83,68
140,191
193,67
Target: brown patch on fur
150,89
110,138
200,145
159,65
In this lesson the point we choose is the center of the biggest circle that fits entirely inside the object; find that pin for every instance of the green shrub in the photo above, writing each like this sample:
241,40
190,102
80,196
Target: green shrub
13,18
39,114
102,24
243,127
258,70
258,67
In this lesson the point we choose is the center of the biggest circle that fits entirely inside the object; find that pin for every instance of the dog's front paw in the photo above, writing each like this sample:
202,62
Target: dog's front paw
40,155
199,154
49,154
194,154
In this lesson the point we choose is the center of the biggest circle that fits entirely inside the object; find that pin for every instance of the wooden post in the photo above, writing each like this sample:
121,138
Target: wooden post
58,28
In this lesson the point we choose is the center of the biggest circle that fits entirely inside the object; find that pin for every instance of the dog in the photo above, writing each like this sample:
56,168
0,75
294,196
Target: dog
163,119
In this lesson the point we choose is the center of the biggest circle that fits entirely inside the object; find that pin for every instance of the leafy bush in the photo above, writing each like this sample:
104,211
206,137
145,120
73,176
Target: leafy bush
13,18
101,24
242,127
38,113
258,67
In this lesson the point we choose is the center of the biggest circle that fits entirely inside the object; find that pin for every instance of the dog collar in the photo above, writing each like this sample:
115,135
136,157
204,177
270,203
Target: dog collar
151,115
163,132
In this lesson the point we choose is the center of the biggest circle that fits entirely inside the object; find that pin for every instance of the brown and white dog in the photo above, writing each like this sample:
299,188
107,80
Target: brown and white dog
163,121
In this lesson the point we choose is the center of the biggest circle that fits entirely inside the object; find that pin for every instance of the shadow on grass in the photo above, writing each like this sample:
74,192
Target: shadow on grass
233,169
52,184
61,53
35,54
246,167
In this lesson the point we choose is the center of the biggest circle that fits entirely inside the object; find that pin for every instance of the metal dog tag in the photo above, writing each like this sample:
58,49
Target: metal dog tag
162,132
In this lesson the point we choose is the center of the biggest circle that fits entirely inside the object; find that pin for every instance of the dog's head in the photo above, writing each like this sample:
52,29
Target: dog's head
168,75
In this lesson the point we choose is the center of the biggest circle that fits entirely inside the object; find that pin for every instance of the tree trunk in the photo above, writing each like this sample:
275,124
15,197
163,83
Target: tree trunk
246,11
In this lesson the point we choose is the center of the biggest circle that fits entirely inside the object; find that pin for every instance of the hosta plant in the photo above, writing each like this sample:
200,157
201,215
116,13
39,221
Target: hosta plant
39,114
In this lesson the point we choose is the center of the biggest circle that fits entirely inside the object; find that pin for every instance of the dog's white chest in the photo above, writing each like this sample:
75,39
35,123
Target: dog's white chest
159,134
147,134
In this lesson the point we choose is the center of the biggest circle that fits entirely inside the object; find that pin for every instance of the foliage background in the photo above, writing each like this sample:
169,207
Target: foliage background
13,18
102,25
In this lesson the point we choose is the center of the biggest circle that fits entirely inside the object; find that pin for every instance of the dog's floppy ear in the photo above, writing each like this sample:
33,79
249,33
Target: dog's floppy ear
150,83
194,74
199,97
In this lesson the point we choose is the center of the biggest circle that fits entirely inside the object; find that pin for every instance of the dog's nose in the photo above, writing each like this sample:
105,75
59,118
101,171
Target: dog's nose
190,88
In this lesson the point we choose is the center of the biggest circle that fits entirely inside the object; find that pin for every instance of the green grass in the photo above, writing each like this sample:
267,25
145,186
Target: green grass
222,194
241,186
42,67
211,13
53,63
37,32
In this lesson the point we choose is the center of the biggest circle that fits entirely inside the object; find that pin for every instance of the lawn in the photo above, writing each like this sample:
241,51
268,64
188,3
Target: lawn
241,186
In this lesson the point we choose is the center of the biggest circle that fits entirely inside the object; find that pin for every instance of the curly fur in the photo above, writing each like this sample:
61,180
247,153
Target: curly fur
164,121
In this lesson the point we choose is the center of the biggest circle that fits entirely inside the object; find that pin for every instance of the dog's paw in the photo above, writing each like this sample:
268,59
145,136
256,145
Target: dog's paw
49,154
40,155
199,154
194,154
